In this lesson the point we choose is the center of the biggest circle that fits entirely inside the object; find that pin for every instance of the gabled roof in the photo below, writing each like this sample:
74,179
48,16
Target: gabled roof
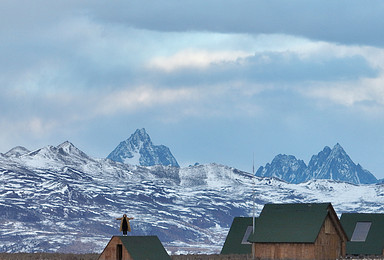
373,243
291,223
236,241
144,247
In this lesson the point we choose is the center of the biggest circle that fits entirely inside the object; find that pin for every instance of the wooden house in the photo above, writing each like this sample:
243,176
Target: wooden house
237,238
134,248
298,231
365,233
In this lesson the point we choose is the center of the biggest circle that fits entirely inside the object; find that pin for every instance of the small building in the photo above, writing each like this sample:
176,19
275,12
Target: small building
365,232
237,238
134,248
298,231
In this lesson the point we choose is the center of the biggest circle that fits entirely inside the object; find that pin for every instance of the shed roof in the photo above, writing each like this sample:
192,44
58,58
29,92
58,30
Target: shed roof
374,241
234,243
290,223
144,247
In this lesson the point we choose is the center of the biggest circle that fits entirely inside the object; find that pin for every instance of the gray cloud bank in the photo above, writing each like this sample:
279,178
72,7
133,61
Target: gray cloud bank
345,21
348,22
72,67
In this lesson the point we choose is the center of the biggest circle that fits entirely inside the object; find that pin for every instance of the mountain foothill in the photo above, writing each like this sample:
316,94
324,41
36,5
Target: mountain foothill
330,164
61,195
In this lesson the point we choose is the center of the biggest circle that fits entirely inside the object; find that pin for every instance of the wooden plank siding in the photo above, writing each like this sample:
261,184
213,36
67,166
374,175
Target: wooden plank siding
329,244
110,251
284,251
213,257
134,247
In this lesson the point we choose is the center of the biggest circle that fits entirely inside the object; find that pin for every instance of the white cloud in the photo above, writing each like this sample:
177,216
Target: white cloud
195,59
77,66
28,130
231,99
40,126
138,98
366,93
346,93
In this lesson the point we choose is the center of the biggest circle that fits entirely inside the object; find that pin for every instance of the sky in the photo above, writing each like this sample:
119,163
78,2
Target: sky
216,81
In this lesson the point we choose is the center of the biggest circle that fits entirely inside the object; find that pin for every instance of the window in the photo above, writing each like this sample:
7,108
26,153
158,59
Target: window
246,235
361,231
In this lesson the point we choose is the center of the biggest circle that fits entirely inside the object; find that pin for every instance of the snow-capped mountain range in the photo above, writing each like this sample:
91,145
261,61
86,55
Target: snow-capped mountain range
138,149
330,164
57,198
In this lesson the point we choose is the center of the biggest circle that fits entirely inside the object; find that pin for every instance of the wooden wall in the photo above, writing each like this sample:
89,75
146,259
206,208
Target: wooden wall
328,245
110,253
284,251
212,257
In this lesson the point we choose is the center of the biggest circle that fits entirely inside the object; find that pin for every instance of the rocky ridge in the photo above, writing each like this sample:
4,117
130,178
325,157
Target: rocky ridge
330,164
59,199
138,149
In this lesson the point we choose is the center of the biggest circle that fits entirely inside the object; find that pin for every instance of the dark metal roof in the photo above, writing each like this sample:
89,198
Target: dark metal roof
234,242
290,223
144,247
374,242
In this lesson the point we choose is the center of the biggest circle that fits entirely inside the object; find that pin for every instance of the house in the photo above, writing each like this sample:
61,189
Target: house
298,231
237,238
365,233
134,248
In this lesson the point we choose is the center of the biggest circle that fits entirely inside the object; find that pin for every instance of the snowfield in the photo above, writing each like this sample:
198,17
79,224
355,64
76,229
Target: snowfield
60,199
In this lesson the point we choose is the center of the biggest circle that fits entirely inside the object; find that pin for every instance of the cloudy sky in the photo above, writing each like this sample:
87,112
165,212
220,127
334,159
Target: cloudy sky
215,81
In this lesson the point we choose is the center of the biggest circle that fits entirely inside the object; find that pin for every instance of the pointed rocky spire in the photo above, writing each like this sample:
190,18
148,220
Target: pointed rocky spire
332,164
138,149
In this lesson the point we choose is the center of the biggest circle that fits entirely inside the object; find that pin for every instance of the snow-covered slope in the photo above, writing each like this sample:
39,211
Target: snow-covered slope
330,164
138,149
16,152
60,199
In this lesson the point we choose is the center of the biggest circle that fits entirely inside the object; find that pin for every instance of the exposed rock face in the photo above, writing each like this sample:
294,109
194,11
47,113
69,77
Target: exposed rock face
330,164
138,149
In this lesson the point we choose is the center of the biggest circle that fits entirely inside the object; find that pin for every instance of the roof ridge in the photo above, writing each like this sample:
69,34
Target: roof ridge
275,223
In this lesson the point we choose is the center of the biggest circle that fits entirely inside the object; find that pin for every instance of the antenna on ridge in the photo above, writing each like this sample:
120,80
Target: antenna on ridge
253,202
253,195
253,164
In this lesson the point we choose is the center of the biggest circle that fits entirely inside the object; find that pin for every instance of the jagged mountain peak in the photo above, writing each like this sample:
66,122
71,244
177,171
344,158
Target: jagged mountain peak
46,150
139,139
284,157
17,151
65,154
338,146
332,164
138,149
197,202
338,150
284,167
327,150
141,134
64,149
67,148
66,144
339,166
